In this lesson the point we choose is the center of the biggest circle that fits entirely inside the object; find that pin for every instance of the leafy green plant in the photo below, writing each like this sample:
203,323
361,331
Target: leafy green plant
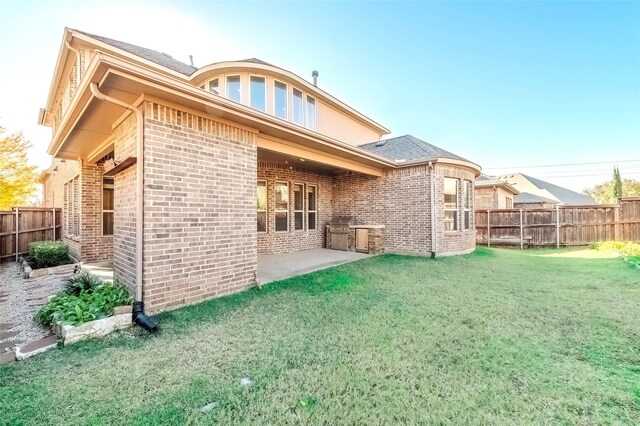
79,305
45,254
630,251
81,282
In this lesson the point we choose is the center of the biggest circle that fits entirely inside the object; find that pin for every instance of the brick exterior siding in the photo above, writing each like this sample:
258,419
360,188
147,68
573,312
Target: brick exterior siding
399,200
461,241
200,218
284,242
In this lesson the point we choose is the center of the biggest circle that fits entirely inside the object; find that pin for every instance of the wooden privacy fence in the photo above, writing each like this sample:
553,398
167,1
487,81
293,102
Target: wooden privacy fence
560,226
21,226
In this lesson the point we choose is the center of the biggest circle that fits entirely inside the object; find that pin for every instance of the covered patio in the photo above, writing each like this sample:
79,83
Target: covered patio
274,267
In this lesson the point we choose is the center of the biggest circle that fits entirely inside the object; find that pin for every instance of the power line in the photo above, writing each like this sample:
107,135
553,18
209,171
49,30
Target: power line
561,165
592,174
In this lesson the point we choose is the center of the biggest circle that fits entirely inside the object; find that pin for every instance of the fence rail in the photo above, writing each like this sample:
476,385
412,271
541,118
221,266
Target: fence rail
21,226
560,226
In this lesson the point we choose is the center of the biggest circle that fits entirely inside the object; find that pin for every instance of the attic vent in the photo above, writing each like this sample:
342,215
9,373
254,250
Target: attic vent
381,143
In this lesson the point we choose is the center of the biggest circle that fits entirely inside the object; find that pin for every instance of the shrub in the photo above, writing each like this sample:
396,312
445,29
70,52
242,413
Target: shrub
45,254
81,282
92,303
630,251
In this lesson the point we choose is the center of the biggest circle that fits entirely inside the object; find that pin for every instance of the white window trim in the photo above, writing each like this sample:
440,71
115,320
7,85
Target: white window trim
456,209
265,92
303,111
286,99
106,211
207,86
266,210
468,200
315,111
226,86
276,210
316,206
303,211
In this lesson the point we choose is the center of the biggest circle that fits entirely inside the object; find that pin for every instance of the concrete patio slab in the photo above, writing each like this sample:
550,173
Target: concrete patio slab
274,267
103,270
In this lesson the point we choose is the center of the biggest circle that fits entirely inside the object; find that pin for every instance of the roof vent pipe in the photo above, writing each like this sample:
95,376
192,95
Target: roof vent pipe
191,60
315,75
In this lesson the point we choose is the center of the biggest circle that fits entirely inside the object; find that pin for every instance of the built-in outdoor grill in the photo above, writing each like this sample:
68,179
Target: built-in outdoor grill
339,228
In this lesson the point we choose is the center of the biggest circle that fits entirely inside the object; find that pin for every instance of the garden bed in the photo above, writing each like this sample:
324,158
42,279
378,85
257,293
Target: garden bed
46,258
120,319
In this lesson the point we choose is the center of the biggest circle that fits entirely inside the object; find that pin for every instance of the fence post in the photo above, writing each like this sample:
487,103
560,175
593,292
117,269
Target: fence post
521,232
53,211
616,222
557,226
488,229
17,232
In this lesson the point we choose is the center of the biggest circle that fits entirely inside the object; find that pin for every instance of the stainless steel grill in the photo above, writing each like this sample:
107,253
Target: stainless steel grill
339,230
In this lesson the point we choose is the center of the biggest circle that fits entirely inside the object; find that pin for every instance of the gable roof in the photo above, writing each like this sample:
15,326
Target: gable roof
547,190
528,198
408,148
484,181
159,58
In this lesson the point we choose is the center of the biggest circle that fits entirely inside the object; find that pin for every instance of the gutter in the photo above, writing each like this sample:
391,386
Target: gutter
434,246
139,317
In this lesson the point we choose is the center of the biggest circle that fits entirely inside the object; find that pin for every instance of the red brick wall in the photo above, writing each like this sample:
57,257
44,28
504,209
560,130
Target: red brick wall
200,218
124,216
94,245
400,200
453,242
284,242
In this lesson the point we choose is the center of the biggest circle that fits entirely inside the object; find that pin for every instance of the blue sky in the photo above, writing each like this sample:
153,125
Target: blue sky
504,84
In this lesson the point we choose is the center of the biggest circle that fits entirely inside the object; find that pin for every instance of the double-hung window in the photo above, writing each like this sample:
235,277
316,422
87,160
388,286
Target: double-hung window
107,206
450,204
282,206
311,113
280,100
312,206
234,92
466,204
298,206
298,113
258,92
261,205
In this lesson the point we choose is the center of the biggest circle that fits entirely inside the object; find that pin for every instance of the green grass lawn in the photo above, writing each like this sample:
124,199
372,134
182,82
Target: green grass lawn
498,337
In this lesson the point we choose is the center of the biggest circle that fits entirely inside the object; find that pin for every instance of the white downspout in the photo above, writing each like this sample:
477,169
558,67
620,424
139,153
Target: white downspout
66,43
139,181
432,169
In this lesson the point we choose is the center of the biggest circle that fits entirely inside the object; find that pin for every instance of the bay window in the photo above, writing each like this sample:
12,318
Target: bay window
450,204
234,92
311,113
280,100
297,106
258,92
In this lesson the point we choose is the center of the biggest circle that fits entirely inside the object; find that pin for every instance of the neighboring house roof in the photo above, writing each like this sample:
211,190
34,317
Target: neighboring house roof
528,198
540,188
151,55
408,148
485,181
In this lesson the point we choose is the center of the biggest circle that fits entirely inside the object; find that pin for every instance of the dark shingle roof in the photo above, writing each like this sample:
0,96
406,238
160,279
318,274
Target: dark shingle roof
151,55
407,148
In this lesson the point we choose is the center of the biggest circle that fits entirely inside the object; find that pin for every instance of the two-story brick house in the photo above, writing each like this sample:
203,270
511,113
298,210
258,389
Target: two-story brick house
182,176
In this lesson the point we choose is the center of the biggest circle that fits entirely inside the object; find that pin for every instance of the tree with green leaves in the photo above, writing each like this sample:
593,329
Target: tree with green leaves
617,183
17,177
604,193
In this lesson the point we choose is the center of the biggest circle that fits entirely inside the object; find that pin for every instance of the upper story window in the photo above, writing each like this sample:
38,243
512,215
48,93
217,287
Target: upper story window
280,100
234,91
311,113
213,86
297,107
258,92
